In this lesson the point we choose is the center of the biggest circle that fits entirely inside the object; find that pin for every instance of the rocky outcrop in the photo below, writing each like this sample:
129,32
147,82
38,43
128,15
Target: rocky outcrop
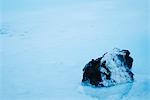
112,68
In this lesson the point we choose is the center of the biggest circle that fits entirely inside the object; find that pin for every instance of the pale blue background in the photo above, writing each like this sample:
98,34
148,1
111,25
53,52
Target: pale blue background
44,44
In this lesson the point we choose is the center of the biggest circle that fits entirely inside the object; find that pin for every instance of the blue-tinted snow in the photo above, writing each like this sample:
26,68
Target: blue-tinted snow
45,44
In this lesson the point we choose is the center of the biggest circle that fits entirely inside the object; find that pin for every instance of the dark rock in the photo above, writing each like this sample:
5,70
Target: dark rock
112,68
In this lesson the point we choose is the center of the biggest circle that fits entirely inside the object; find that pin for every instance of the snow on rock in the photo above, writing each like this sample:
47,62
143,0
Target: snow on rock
112,68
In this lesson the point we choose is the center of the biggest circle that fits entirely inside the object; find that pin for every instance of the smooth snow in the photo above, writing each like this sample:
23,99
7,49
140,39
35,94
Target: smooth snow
44,46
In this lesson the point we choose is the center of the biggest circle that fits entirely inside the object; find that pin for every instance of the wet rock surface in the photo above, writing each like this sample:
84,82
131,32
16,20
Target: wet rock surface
112,68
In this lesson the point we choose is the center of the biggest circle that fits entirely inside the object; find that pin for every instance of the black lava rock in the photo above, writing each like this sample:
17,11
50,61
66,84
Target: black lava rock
112,68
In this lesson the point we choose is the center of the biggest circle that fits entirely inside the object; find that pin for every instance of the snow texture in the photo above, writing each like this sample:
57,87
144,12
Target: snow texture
44,45
120,73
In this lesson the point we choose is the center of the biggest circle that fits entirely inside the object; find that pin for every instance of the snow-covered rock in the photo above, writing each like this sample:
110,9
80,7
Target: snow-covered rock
112,68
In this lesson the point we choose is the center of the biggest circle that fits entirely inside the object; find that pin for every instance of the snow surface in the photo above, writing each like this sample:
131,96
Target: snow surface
45,44
119,71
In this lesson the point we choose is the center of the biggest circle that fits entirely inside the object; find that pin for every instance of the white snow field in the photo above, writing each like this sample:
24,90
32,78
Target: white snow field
45,44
